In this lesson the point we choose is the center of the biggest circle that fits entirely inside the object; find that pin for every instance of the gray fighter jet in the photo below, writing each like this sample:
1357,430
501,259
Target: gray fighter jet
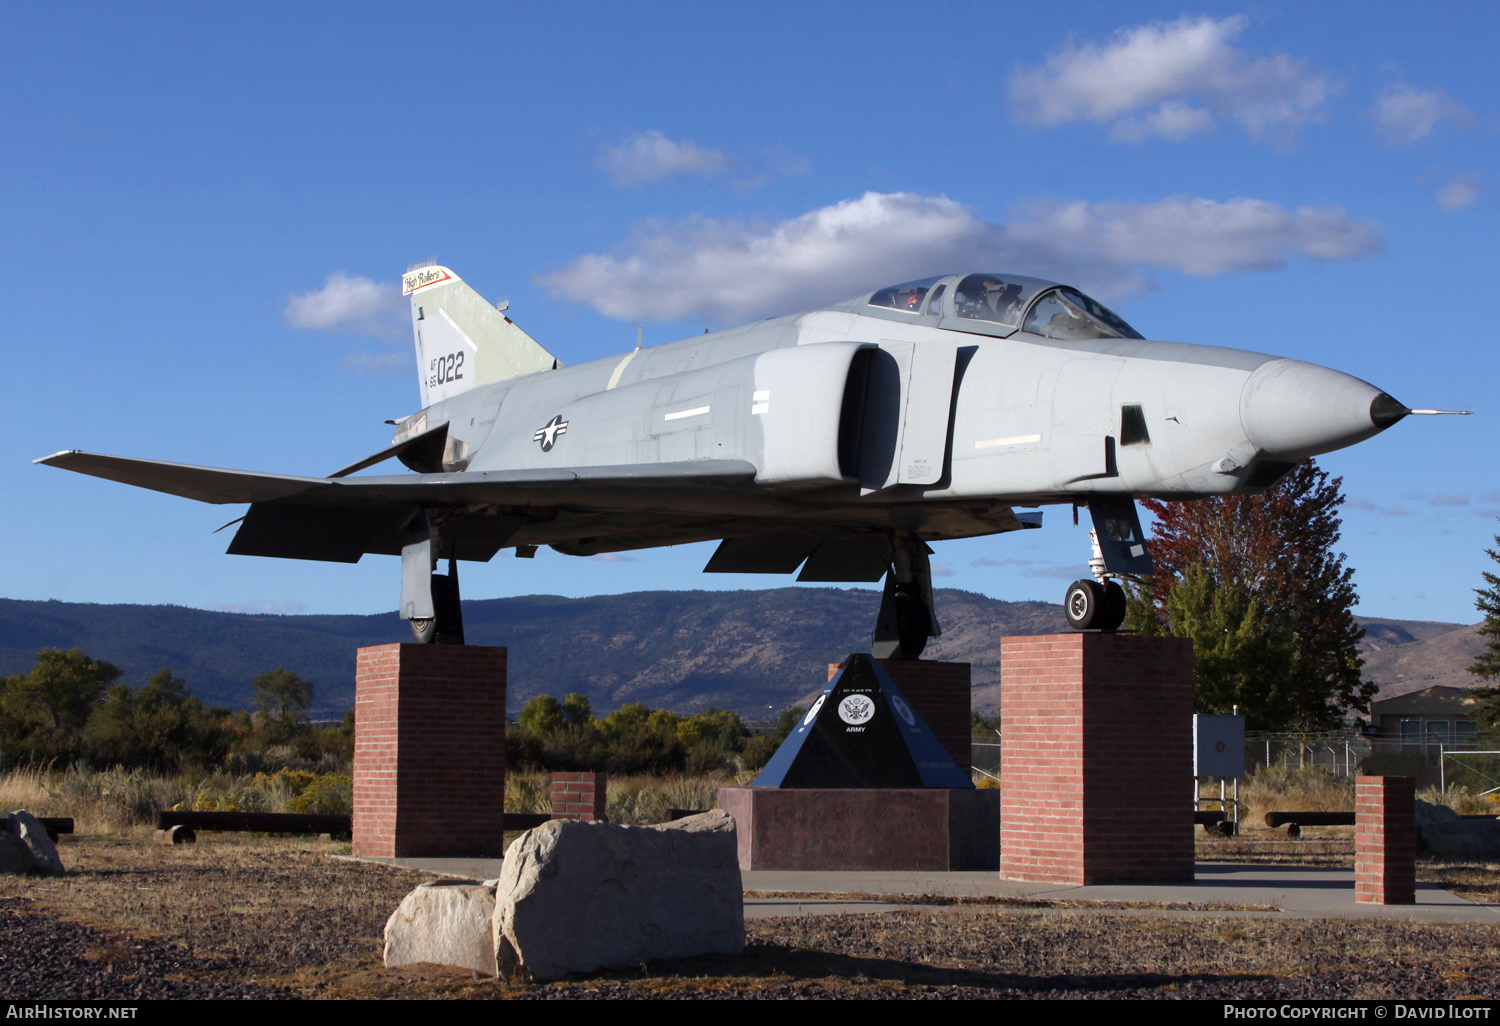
840,441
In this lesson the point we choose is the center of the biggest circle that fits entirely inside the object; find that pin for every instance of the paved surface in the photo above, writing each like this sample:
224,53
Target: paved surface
1273,891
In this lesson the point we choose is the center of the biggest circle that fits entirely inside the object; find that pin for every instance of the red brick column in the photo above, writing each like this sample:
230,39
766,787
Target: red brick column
941,694
1385,840
429,751
580,795
1097,758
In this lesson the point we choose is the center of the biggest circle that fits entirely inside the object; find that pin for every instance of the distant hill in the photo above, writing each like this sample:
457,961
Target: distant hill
752,651
1408,655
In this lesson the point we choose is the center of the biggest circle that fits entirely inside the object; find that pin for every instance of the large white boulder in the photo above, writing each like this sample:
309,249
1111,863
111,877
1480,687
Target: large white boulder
15,857
1442,831
577,897
447,922
29,829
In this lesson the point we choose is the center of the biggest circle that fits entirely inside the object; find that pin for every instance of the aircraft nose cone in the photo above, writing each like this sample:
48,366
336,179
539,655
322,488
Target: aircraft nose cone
1295,410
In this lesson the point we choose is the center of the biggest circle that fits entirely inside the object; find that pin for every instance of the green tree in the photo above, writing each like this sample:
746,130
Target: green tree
160,725
1277,549
282,697
576,711
787,722
43,713
1487,666
542,716
1239,657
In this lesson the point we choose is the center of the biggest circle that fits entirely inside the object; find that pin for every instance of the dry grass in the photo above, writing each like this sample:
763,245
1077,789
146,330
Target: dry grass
100,802
277,904
638,800
293,916
1289,790
1462,800
631,800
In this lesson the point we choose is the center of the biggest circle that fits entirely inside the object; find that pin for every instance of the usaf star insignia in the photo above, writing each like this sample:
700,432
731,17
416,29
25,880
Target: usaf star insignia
548,435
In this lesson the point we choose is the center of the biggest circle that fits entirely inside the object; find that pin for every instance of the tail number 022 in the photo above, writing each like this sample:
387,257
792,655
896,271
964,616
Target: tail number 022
446,368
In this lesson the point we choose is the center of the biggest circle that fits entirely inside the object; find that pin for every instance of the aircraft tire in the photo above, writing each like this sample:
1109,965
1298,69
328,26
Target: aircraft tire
1083,605
1112,607
424,630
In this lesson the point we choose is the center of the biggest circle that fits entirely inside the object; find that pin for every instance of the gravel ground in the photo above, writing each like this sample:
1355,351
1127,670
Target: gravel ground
237,916
43,956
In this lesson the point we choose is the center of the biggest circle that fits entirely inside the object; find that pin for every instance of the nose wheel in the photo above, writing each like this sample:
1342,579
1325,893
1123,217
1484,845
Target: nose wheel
1091,606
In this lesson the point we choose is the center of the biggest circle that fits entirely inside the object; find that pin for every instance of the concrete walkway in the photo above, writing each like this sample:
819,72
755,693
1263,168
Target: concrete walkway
1255,890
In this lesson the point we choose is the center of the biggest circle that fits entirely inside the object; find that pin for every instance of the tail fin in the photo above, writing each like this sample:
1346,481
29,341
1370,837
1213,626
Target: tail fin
462,340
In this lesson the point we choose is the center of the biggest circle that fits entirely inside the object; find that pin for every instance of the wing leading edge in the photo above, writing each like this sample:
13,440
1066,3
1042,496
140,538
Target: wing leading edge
339,519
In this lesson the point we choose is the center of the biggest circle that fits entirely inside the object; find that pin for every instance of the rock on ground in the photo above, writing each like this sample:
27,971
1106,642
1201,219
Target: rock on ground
29,829
447,922
15,857
577,897
1442,831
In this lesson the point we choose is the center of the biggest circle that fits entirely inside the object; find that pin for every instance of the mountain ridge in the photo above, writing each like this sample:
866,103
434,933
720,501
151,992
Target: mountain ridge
752,651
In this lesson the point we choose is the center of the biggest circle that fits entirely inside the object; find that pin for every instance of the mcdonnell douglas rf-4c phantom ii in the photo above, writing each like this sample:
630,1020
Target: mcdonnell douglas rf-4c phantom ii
841,441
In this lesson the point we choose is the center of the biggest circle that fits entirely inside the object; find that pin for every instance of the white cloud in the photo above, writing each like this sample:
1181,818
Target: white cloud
1172,80
1172,120
651,156
729,270
351,304
379,365
614,557
1403,114
1201,237
1460,191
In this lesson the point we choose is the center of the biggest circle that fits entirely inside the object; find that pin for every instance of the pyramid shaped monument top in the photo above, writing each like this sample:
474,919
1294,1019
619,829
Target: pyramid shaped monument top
862,733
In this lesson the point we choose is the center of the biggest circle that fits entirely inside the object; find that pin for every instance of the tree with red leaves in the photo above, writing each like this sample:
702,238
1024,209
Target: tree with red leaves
1255,581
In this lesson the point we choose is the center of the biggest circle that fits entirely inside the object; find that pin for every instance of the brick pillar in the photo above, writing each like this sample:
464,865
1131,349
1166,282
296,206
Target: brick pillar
1097,758
1385,840
940,692
429,751
580,795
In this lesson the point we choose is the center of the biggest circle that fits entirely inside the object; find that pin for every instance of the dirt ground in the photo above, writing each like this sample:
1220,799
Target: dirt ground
279,917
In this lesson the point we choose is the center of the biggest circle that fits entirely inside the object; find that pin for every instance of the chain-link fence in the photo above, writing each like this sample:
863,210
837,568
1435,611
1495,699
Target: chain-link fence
1342,754
1338,752
984,755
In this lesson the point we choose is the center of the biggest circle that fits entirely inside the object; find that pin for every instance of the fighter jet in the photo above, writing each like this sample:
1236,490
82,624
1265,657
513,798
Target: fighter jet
842,441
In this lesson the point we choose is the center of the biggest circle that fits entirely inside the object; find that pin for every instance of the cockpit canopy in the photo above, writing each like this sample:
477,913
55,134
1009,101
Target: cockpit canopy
1001,304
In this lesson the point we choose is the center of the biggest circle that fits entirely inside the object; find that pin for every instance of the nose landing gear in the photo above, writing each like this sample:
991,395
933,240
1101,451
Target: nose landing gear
1099,604
1092,606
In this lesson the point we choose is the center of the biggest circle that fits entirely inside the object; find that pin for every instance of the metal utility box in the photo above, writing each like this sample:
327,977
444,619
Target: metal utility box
1219,746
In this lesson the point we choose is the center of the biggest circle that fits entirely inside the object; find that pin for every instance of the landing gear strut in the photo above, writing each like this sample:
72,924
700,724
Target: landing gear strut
429,601
907,618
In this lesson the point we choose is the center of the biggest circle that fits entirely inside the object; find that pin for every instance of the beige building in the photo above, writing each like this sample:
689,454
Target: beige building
1433,718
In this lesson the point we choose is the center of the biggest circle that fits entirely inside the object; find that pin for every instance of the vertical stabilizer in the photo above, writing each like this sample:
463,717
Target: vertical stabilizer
461,339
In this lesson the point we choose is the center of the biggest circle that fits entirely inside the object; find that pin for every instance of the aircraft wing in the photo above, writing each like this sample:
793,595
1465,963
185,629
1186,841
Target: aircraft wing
217,485
578,510
206,484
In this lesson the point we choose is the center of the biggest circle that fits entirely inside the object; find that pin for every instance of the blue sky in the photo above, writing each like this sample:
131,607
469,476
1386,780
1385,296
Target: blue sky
206,210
